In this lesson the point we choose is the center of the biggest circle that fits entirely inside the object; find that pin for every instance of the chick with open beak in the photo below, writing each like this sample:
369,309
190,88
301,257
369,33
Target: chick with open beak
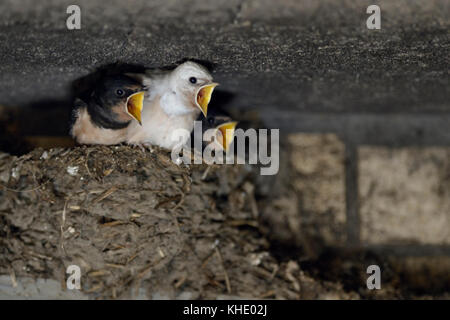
174,100
225,134
224,128
103,117
203,96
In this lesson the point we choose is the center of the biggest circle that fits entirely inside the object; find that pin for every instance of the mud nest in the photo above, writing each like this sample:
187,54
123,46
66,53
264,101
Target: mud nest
134,220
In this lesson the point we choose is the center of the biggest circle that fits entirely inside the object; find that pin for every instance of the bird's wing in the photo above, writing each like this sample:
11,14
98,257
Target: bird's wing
77,105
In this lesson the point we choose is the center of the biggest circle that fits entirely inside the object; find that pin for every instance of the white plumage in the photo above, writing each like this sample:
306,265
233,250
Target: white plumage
171,103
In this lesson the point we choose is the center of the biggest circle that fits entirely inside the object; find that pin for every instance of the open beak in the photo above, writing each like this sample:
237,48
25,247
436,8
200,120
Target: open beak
135,103
226,134
203,97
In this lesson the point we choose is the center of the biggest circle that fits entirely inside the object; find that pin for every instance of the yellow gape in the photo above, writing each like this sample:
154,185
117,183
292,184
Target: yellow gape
225,134
134,106
204,97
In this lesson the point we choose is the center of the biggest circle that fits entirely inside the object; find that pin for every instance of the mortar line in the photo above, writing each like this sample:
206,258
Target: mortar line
351,195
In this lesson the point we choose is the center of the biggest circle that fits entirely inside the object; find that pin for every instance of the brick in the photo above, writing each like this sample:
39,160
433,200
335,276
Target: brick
404,195
319,181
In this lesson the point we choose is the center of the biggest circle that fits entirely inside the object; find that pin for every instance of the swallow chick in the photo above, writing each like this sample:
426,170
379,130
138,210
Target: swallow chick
103,117
223,128
173,101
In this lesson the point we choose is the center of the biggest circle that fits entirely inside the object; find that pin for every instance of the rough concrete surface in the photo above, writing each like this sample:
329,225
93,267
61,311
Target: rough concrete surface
292,55
33,289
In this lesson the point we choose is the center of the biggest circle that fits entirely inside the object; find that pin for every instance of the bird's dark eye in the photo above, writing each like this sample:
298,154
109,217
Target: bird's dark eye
193,79
120,92
211,120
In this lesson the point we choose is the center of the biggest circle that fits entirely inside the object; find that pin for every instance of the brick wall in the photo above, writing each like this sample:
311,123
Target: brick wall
392,200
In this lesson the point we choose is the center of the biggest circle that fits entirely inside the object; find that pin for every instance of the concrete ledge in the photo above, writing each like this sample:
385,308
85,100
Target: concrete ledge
39,289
